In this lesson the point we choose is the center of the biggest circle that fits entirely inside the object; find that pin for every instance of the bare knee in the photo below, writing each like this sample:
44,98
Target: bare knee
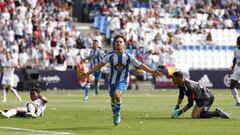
196,112
117,96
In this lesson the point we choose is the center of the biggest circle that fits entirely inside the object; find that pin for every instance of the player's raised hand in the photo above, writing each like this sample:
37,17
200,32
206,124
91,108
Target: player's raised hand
157,73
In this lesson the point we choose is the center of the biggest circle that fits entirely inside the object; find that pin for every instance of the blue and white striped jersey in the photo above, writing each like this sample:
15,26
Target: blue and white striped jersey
96,57
119,65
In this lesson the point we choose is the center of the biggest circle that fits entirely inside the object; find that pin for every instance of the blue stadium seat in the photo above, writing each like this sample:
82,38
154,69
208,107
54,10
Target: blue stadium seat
198,47
210,47
184,47
217,48
190,47
223,48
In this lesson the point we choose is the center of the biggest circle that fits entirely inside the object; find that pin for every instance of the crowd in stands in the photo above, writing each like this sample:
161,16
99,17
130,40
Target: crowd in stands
156,27
40,34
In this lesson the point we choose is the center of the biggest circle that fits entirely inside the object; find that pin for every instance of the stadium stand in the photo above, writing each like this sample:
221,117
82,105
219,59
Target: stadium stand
36,30
201,33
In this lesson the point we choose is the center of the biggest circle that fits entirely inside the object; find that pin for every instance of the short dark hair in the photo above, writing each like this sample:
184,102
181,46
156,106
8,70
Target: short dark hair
178,74
35,89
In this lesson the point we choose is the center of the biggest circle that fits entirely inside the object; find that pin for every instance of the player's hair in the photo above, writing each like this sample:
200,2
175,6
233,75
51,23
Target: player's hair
120,36
178,74
97,42
35,89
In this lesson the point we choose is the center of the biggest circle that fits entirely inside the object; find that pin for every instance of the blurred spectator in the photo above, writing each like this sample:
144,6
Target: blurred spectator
60,63
31,25
33,56
104,10
36,30
23,58
209,38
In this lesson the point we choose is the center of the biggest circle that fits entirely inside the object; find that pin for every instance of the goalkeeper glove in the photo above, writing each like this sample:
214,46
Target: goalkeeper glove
176,113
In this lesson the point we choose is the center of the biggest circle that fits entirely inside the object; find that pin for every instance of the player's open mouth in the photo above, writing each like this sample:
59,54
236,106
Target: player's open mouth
119,49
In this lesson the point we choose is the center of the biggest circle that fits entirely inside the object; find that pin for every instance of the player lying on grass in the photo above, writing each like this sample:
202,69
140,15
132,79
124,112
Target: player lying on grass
35,108
195,92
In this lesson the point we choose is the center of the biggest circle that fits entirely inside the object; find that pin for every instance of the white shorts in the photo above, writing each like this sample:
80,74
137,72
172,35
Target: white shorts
8,81
39,112
235,76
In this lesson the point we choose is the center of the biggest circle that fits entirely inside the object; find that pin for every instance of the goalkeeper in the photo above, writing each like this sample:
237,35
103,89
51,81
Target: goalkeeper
202,96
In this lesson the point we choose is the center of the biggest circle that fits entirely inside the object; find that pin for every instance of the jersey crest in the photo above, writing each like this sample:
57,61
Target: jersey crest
119,67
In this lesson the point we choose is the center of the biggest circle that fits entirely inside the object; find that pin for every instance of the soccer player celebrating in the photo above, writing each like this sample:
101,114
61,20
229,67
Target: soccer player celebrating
235,70
8,76
195,92
96,55
35,108
119,61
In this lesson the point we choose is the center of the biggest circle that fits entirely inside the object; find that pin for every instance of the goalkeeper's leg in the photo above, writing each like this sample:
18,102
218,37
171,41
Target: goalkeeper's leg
208,114
199,112
206,105
196,111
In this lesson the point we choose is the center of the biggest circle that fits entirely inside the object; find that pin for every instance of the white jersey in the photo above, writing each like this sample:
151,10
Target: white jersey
119,66
96,55
236,72
40,106
8,68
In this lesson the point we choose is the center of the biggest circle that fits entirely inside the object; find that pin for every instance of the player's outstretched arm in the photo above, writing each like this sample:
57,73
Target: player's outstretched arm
94,69
185,108
178,104
154,72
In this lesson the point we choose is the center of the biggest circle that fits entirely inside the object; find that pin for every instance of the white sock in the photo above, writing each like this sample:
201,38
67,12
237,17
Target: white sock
16,94
235,95
4,95
11,112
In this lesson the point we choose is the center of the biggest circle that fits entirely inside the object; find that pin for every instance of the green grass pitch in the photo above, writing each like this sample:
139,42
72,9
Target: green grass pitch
143,113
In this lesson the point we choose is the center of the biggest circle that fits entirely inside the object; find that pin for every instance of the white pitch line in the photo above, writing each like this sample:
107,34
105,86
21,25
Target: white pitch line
36,131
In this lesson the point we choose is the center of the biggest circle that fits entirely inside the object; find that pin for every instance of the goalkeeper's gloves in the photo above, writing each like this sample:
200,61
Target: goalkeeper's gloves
176,113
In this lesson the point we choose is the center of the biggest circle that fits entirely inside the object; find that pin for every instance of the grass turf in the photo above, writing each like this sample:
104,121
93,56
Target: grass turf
143,113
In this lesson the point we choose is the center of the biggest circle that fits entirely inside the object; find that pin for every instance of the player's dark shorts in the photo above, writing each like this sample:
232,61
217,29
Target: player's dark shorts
205,103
